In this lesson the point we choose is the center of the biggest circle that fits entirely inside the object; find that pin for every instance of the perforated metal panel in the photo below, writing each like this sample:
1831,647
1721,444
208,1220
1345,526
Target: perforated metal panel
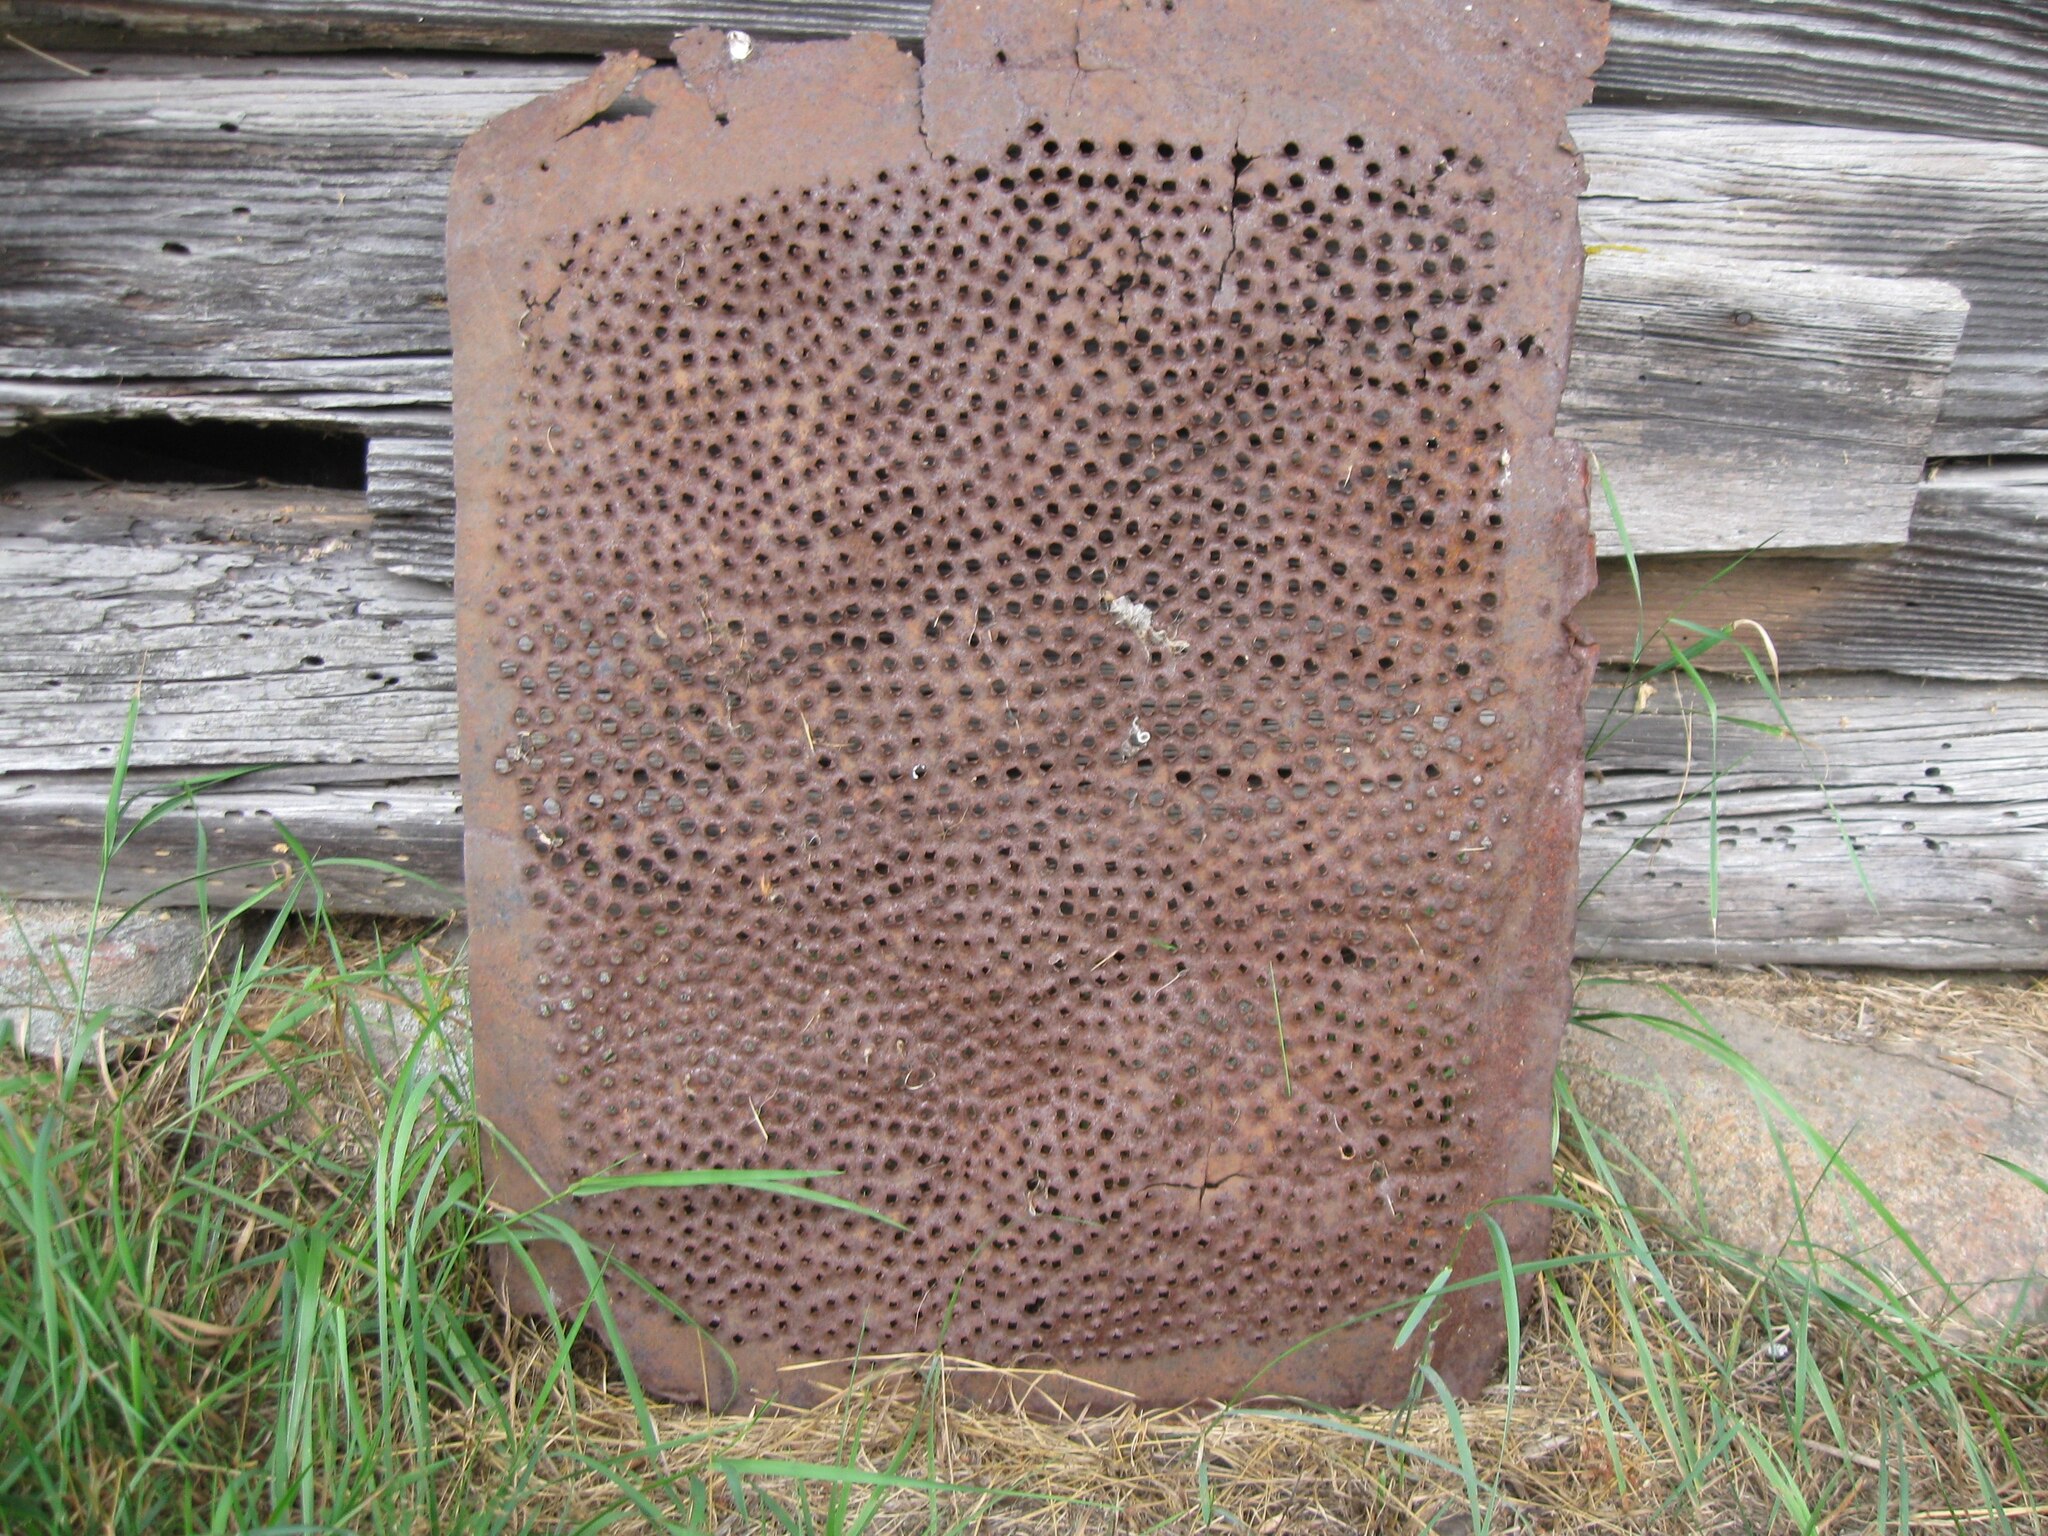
1014,648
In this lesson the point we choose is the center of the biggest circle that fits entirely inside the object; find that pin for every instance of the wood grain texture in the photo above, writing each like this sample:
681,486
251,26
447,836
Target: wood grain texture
218,229
410,490
1736,402
411,828
1976,69
261,239
1939,788
255,623
1966,597
494,26
1894,204
366,395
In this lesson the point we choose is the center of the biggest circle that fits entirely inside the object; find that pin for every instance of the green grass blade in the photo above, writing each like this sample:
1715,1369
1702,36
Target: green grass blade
1628,549
1420,1310
1478,1507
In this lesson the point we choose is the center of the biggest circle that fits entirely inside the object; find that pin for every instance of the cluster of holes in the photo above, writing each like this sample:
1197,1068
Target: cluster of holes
984,654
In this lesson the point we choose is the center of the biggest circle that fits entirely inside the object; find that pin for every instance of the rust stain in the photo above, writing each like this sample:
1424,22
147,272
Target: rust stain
1008,648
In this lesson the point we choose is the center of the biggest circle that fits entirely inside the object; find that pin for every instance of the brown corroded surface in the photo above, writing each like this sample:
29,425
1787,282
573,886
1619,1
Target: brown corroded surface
1013,646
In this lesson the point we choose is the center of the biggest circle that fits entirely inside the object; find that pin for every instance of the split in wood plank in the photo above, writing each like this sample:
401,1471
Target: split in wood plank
1966,597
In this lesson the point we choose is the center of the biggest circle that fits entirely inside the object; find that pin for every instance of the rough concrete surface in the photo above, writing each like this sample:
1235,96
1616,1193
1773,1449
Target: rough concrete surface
1919,1120
139,971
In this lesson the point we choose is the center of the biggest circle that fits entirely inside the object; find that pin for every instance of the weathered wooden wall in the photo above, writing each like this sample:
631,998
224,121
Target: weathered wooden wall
1816,326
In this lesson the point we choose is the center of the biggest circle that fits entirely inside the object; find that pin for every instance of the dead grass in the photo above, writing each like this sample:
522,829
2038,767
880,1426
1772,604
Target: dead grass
1866,1004
1991,1030
1557,1448
1561,1455
1549,1446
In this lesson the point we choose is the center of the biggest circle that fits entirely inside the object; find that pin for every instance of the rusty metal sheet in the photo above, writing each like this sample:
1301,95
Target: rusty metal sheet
1014,645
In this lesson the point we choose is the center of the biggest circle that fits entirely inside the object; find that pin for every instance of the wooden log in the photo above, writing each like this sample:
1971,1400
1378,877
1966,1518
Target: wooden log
1966,597
1740,848
1710,385
1929,846
409,484
368,395
1893,204
494,26
255,624
295,261
1977,71
1735,403
410,831
222,230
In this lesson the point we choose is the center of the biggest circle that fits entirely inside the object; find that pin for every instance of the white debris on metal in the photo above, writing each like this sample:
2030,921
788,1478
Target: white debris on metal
1137,618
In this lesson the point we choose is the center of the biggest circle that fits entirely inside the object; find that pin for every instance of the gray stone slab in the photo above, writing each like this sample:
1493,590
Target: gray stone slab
132,974
1919,1120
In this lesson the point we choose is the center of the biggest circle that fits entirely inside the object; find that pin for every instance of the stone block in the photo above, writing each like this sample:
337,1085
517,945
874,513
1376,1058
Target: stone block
1922,1132
134,973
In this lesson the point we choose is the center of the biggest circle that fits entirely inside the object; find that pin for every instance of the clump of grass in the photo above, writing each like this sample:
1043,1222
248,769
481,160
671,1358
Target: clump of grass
243,1287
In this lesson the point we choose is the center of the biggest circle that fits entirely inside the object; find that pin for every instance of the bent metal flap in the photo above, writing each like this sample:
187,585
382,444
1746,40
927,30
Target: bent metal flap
1014,648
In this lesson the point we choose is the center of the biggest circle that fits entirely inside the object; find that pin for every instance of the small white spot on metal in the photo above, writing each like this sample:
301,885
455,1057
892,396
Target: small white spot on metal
1137,618
739,45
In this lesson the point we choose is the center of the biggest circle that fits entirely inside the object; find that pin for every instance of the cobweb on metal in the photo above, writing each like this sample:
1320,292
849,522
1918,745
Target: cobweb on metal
1022,676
